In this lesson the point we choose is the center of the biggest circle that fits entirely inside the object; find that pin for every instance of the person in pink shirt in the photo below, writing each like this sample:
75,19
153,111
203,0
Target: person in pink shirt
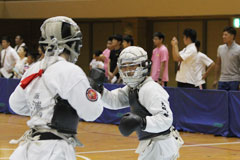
105,55
160,57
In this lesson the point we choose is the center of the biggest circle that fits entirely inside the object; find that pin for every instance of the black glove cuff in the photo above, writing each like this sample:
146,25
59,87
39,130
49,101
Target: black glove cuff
100,88
143,124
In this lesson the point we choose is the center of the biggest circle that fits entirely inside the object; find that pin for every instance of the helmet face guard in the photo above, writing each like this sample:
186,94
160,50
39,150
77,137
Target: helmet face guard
133,66
61,34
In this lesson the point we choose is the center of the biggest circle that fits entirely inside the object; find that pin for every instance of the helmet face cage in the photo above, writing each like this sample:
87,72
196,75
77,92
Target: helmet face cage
127,69
133,77
59,34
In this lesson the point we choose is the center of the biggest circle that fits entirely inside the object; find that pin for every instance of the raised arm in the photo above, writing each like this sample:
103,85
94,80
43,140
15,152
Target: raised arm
175,50
116,99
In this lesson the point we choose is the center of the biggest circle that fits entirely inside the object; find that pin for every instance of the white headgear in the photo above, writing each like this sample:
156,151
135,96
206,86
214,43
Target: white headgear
59,33
133,56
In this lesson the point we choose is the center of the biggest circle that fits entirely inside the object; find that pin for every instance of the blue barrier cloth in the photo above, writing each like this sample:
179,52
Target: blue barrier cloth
234,115
7,86
206,111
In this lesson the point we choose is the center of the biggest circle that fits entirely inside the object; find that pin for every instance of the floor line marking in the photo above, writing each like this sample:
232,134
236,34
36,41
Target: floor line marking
117,150
210,144
133,149
7,149
83,157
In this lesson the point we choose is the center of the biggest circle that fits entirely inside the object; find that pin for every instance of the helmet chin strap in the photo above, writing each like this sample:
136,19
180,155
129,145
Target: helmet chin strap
140,84
53,46
73,55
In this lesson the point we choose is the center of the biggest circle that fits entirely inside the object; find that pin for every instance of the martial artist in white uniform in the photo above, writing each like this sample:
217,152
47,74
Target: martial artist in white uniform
150,113
45,90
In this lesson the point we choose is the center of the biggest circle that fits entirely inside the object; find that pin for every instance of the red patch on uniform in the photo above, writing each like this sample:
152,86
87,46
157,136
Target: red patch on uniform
91,94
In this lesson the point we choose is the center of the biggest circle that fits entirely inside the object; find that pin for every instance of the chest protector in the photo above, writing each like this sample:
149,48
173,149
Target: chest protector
141,111
65,119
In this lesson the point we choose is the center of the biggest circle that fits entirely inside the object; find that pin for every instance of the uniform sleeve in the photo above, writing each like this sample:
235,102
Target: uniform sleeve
84,100
18,103
206,60
187,53
116,99
155,100
164,55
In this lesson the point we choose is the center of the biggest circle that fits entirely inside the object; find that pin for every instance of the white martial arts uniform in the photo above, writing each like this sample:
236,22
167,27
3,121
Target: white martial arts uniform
155,99
36,100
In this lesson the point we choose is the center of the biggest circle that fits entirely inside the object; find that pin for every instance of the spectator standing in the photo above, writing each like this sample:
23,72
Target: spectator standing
105,55
186,75
160,58
127,41
9,57
19,43
19,67
114,54
202,62
228,62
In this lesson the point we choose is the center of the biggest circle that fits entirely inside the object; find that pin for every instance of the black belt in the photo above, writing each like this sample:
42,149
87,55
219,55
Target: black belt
152,135
46,136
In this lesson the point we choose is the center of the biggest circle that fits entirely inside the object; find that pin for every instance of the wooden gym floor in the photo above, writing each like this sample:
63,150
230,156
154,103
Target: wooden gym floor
104,142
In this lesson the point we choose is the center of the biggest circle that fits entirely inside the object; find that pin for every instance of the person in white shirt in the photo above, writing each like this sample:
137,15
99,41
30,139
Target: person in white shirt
150,115
54,92
19,67
19,43
9,57
97,60
203,62
186,75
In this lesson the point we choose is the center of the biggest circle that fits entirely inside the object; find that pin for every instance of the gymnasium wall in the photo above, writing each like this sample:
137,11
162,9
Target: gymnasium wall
117,8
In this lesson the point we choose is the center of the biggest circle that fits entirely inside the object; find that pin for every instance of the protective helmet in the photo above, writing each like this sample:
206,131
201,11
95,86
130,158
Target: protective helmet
133,65
60,34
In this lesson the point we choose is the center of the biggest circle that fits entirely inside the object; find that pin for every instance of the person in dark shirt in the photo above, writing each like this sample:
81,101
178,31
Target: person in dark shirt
117,45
